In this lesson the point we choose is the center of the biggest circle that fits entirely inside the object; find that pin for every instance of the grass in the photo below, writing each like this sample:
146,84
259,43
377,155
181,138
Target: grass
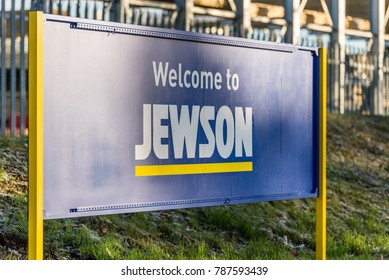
358,213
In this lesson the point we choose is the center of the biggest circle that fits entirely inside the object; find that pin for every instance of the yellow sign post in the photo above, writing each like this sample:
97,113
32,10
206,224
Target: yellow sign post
35,137
321,201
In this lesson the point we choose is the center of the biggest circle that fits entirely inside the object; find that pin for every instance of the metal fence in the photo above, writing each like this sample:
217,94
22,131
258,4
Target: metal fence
358,85
14,52
13,68
386,85
14,41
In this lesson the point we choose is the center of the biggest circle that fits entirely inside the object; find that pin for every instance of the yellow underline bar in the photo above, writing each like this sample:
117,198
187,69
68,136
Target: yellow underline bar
186,169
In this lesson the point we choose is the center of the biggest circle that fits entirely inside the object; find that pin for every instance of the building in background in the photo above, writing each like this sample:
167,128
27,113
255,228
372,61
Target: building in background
355,32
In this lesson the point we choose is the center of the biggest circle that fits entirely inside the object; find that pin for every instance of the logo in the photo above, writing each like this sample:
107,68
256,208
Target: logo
228,131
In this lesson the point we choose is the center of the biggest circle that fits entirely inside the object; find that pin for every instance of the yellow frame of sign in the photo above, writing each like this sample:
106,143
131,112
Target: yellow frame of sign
35,161
35,136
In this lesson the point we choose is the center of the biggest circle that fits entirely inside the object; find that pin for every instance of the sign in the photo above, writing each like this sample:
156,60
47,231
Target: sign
140,119
126,119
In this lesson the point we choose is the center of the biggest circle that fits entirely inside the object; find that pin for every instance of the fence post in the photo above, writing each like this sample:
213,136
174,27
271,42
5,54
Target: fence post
185,17
338,45
35,139
38,5
243,19
22,76
115,11
377,21
13,69
292,17
124,6
3,80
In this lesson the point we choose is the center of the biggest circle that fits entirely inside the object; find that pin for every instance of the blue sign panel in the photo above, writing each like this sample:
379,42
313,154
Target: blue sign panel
141,119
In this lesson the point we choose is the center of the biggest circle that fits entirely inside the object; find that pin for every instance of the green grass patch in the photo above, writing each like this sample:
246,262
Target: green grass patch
357,220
